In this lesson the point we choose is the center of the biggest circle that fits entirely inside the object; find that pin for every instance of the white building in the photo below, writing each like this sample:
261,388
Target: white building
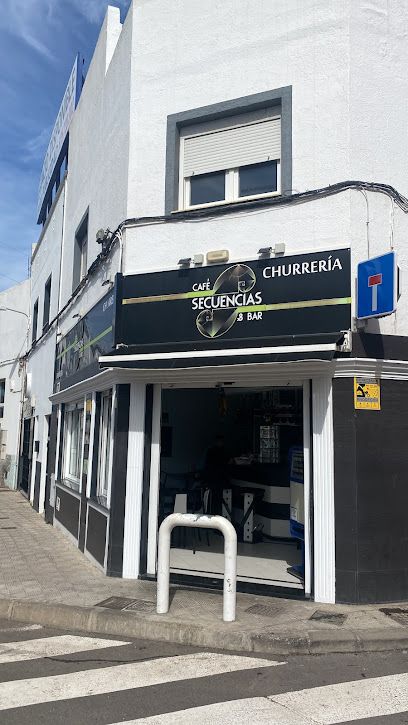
14,310
229,147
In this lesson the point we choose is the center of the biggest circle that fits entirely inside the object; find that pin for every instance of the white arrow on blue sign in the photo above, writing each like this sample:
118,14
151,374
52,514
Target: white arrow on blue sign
377,286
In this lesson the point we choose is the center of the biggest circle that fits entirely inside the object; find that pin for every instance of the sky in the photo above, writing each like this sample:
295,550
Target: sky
39,40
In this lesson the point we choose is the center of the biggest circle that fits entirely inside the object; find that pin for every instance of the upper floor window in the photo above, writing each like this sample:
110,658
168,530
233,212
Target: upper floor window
230,151
47,302
35,322
231,159
80,253
2,396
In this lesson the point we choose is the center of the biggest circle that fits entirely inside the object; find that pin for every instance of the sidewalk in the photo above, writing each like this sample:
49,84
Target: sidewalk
44,579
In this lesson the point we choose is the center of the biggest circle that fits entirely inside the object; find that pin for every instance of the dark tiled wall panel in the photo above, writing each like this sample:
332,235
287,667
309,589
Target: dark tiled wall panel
96,534
371,495
68,515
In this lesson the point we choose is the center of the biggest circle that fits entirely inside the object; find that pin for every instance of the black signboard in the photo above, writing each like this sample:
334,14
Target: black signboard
78,352
249,304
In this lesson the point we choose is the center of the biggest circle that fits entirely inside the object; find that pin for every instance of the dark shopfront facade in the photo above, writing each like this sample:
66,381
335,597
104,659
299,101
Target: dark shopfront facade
252,331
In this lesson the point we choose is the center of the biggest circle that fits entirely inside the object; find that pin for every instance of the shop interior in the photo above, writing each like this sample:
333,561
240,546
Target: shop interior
239,453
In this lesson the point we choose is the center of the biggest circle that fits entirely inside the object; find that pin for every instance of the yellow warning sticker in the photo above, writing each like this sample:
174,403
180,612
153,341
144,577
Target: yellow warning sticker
367,394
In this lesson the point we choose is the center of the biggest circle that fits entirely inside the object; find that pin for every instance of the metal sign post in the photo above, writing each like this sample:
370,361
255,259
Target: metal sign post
230,558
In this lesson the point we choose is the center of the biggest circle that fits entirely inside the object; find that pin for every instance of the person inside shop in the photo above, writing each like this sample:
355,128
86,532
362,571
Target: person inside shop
215,473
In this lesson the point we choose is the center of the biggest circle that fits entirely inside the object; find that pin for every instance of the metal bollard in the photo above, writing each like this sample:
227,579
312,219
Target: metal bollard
230,558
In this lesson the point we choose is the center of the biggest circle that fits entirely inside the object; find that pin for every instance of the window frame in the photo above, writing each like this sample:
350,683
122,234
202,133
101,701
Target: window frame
280,97
231,189
47,303
105,446
34,329
67,477
80,262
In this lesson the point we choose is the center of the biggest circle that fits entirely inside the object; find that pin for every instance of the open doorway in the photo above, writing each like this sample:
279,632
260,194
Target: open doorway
238,452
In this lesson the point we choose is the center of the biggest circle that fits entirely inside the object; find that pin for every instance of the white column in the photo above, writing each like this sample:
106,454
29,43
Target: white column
44,457
323,491
134,481
154,489
33,462
306,479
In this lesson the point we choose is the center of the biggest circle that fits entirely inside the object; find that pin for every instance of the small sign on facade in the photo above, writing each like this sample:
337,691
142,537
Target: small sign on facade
377,286
367,394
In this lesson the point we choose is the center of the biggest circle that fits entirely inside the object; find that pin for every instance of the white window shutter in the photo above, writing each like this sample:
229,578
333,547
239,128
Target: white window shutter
232,147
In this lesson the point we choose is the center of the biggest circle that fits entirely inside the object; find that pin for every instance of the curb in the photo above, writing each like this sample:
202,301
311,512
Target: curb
126,624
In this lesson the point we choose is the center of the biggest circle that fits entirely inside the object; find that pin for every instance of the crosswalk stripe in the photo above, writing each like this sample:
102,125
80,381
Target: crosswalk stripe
253,710
22,693
52,647
330,704
326,705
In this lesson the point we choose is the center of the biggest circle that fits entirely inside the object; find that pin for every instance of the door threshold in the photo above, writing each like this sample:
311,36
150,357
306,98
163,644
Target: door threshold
203,582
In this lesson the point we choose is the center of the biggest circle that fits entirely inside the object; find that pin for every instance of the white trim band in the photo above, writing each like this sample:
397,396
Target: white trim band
232,352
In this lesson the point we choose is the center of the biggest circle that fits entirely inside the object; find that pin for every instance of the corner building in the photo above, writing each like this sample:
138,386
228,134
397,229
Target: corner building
227,167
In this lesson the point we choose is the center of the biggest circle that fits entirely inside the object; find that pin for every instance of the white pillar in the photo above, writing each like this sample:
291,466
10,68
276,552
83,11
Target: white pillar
306,479
134,481
154,489
323,492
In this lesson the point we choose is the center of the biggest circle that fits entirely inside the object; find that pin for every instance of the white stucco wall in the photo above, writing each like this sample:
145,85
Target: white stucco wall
46,259
13,345
99,144
188,54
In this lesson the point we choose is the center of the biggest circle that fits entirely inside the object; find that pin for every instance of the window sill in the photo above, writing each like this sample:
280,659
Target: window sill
100,503
72,484
64,486
229,203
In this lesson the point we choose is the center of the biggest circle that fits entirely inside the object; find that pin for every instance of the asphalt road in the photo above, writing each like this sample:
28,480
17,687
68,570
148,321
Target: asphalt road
52,677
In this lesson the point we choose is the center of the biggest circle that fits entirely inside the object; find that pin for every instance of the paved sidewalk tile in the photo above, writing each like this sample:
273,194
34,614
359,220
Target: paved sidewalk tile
39,563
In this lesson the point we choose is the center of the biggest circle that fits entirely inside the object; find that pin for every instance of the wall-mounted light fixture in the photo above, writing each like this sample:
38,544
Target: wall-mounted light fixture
277,250
185,262
103,235
77,315
106,282
217,256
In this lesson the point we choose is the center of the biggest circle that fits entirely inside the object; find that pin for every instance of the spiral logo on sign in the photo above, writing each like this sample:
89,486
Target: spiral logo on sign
216,320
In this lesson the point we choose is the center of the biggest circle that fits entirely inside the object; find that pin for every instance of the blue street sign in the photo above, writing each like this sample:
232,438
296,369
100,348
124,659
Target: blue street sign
377,286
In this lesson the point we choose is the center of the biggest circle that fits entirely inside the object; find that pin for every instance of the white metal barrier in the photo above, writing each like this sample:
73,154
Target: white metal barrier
230,558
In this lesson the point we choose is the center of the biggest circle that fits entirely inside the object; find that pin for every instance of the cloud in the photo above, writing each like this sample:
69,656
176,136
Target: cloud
35,147
25,20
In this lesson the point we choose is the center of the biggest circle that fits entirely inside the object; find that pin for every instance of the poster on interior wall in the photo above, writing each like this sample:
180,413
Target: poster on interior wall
243,304
91,337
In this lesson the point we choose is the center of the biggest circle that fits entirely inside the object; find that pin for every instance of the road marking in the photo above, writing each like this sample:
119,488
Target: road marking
21,693
253,710
327,705
52,647
330,704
